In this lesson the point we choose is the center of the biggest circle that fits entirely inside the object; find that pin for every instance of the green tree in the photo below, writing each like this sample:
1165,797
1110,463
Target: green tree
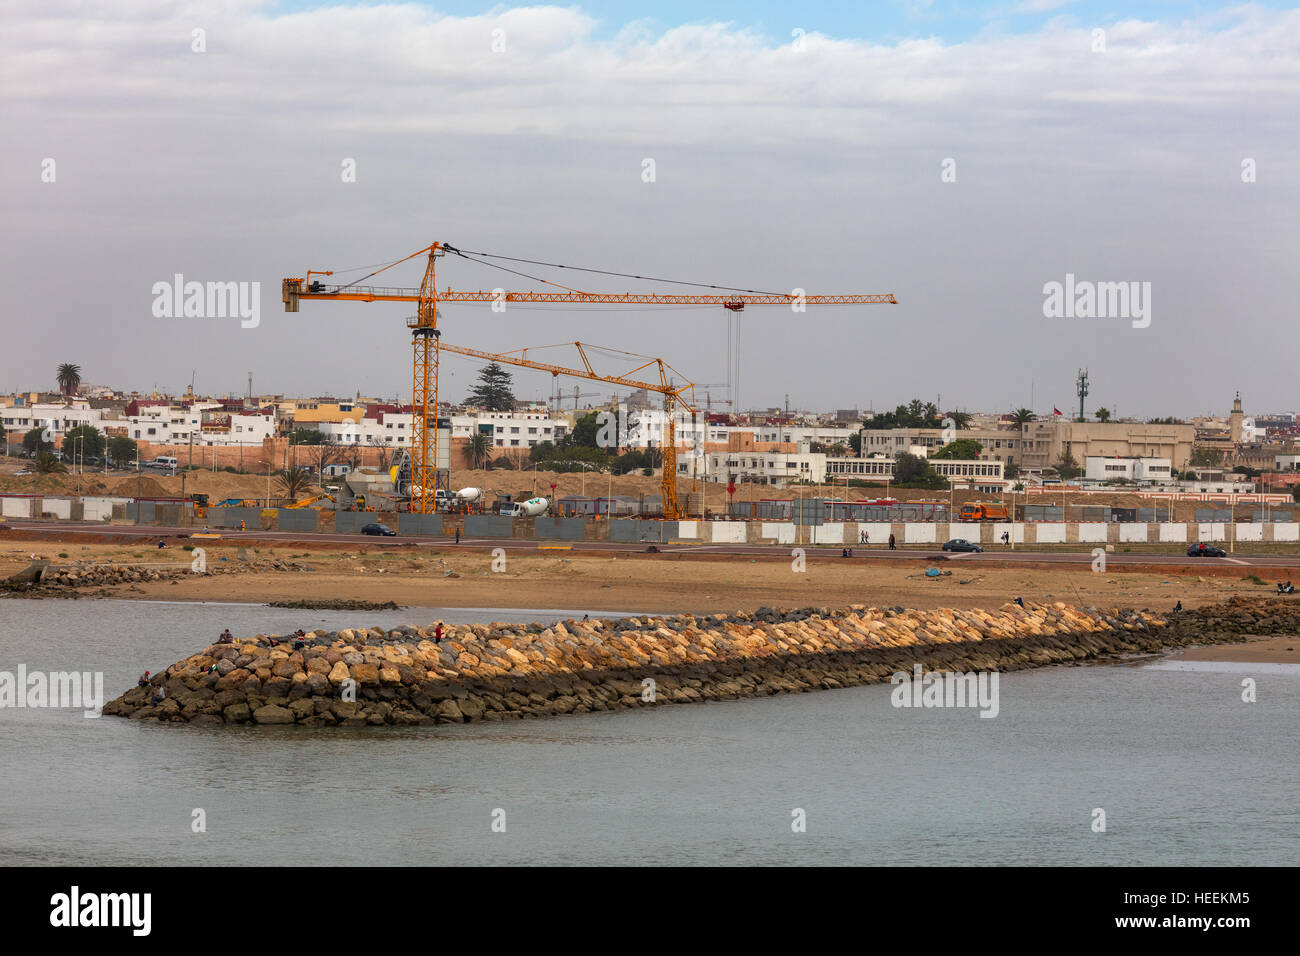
960,419
1206,457
493,391
913,471
1295,492
306,436
480,449
915,414
84,440
34,441
294,481
1023,416
1103,414
47,464
961,449
1067,467
855,443
121,449
585,433
68,376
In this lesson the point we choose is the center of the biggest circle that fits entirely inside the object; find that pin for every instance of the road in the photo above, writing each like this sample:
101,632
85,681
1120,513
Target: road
993,558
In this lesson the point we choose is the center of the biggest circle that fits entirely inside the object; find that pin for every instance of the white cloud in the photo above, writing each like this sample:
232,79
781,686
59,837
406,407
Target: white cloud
816,167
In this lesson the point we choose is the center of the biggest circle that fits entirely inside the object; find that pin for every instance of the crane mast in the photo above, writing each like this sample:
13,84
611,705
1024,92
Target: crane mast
426,347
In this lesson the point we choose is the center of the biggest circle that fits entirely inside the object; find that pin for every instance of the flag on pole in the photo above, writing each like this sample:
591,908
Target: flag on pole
1056,411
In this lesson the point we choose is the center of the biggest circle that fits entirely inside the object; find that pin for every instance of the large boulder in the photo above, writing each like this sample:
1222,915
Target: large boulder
272,714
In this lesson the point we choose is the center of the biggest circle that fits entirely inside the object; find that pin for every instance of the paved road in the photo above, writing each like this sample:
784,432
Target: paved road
831,552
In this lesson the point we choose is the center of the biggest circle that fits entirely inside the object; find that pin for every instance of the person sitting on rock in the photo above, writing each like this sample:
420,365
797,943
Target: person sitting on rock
144,680
161,543
1020,601
157,697
1178,606
226,637
299,640
844,552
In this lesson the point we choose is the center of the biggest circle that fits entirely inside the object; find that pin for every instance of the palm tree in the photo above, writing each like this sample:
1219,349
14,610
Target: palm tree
960,419
47,464
1023,416
480,450
69,378
294,481
1103,414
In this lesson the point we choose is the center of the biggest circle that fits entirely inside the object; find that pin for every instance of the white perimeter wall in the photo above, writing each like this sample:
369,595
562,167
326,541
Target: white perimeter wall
918,532
783,532
1092,531
1050,533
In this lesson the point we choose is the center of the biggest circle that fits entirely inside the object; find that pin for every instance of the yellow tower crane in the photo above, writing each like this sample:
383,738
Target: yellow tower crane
425,332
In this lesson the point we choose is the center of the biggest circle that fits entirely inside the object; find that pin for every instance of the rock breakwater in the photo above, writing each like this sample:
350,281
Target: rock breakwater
403,676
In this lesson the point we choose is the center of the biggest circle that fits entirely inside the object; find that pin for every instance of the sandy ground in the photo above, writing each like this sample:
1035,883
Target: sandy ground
1258,650
668,583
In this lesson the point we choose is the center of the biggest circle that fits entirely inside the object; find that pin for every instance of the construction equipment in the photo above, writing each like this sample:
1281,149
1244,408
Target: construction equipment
425,332
671,392
310,501
983,511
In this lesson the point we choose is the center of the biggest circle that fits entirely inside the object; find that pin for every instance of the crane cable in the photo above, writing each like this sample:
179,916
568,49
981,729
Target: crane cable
465,253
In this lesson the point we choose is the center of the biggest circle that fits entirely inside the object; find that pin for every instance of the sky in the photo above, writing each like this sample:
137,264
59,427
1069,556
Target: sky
966,157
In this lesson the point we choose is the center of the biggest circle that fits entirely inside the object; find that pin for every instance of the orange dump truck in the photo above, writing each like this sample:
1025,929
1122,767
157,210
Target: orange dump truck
984,511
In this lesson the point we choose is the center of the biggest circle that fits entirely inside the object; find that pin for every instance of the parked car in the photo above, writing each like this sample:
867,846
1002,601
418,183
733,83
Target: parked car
961,544
1203,550
378,529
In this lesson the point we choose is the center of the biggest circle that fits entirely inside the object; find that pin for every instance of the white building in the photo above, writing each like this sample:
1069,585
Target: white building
58,418
1098,468
975,475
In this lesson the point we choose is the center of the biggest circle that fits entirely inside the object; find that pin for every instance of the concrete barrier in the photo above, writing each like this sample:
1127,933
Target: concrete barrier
1016,530
1133,532
296,519
1052,533
1174,532
564,529
878,533
1092,531
916,532
17,507
832,532
688,530
489,526
1211,531
1248,532
56,508
780,531
1286,531
727,532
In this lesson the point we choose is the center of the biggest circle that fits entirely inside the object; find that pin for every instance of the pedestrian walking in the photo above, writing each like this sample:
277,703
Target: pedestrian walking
458,535
891,542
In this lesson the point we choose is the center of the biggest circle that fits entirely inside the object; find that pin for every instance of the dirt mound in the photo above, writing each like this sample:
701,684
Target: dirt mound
145,487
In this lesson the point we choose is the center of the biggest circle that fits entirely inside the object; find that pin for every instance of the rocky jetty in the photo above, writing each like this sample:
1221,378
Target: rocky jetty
505,671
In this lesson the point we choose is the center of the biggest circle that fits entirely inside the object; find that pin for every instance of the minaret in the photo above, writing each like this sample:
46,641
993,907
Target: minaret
1235,420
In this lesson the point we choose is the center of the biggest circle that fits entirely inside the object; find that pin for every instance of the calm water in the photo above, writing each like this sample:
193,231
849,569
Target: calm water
1186,772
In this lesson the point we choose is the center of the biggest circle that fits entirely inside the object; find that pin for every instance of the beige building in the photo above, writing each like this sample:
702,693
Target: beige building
1041,444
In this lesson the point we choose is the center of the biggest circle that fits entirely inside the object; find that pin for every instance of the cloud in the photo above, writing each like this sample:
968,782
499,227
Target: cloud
777,166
